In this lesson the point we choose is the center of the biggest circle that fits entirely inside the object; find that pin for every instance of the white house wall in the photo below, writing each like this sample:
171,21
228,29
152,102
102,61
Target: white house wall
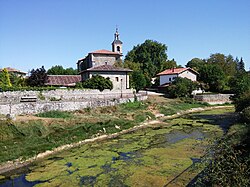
188,74
120,80
167,78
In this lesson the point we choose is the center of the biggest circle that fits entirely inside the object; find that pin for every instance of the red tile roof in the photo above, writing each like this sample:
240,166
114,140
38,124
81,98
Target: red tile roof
175,71
104,51
13,70
108,68
62,80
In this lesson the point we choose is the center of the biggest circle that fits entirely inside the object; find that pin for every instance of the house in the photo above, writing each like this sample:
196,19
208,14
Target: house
62,80
169,75
102,62
15,71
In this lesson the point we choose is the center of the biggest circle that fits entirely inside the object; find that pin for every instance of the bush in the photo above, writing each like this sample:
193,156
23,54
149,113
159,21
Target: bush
242,101
182,87
55,114
229,165
246,114
97,82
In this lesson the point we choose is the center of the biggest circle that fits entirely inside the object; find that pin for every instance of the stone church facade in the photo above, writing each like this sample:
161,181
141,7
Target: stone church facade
101,62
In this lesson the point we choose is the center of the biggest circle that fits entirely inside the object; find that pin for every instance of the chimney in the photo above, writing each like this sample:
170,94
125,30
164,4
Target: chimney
172,69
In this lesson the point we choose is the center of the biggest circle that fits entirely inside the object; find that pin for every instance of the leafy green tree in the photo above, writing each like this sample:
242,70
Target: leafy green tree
196,64
214,76
227,63
169,64
98,82
59,70
17,81
240,85
37,77
5,78
151,56
182,87
138,80
241,65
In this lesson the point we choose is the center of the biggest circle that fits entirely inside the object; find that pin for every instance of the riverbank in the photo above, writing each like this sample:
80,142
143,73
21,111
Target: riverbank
145,121
148,156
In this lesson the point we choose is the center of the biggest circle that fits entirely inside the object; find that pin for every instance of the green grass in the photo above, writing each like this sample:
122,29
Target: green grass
55,114
173,108
29,137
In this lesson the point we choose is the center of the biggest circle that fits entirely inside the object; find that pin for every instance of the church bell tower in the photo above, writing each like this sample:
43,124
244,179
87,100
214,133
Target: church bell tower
117,43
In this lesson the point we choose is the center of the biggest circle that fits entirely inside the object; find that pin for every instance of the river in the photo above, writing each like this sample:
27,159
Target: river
147,157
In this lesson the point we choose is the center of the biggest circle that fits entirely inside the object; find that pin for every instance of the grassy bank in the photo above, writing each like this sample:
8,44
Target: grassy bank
28,136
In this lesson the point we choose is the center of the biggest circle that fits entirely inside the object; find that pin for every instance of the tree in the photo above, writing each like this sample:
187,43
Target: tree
138,80
59,70
214,76
150,55
37,77
241,65
182,87
169,64
196,64
5,78
227,63
98,82
17,81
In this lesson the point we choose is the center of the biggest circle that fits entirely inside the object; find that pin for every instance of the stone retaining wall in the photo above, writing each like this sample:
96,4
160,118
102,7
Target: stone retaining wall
214,98
68,100
64,95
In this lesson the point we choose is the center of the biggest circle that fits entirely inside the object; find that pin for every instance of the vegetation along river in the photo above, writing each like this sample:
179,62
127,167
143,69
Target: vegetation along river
148,157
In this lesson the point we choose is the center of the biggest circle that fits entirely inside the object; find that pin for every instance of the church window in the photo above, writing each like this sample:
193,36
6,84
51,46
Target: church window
169,79
118,48
117,79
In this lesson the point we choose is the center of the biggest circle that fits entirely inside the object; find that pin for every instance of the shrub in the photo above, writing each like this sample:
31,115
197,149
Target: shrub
55,114
246,114
182,87
98,82
242,101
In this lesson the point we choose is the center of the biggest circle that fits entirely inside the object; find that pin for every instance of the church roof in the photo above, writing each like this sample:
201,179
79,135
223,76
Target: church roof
108,68
117,42
104,51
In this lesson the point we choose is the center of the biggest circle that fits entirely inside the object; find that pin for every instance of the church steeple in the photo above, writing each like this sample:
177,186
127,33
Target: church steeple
117,43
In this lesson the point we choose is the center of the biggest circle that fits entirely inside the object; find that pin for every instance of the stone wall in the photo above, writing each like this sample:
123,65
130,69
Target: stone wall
68,100
64,95
214,98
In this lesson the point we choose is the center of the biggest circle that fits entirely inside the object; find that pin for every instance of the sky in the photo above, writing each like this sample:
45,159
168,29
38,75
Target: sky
35,33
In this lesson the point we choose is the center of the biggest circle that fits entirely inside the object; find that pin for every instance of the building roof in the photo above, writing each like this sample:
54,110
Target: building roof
62,80
13,70
117,42
108,68
104,51
175,71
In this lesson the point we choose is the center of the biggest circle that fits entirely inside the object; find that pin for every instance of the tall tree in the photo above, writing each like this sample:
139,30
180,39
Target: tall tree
196,63
37,77
169,64
241,65
59,70
150,55
214,76
5,78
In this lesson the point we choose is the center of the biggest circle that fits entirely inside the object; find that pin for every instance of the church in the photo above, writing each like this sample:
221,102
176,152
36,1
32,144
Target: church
101,62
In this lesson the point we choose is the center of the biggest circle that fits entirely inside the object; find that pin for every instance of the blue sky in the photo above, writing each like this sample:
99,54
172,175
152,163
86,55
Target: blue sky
58,32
